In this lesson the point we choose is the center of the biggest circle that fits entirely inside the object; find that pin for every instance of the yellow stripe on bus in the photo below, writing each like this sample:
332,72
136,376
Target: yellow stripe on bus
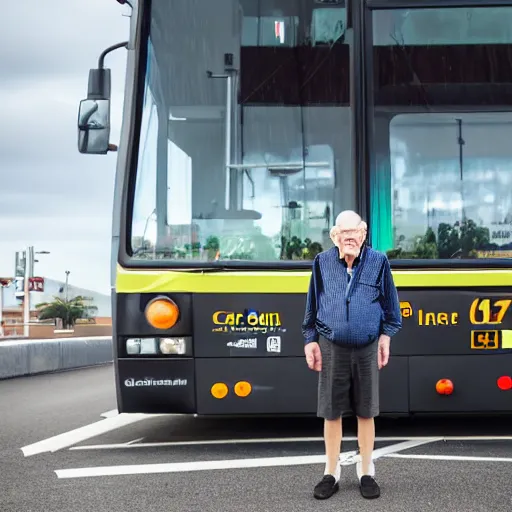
506,339
279,281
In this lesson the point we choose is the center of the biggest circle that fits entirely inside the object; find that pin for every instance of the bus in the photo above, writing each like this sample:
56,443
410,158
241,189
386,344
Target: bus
248,125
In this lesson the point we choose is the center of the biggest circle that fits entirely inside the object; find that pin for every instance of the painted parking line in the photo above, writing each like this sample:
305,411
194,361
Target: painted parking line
180,467
209,465
138,440
109,414
278,440
352,457
78,435
449,457
256,440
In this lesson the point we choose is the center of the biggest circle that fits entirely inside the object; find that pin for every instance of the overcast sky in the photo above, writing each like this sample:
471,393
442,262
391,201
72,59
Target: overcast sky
51,196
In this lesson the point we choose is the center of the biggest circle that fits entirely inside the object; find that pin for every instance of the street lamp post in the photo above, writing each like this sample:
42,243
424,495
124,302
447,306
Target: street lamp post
66,289
29,272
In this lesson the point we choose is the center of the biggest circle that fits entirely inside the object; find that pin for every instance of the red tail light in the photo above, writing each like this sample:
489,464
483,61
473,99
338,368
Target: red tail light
505,383
444,387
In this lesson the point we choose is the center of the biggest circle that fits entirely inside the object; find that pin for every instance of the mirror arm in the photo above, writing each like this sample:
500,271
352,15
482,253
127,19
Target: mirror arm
105,52
99,78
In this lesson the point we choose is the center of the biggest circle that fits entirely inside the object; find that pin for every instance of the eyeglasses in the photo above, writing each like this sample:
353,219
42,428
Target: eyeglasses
347,233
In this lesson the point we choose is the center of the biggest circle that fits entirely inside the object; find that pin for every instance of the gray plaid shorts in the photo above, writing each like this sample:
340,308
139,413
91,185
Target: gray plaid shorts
349,381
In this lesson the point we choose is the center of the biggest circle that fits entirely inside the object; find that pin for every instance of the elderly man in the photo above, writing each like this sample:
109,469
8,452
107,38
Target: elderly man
352,311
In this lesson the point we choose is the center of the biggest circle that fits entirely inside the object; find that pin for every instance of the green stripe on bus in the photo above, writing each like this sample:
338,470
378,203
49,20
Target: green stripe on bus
275,281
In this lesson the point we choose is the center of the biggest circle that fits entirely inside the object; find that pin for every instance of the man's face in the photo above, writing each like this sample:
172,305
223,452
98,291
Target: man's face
349,238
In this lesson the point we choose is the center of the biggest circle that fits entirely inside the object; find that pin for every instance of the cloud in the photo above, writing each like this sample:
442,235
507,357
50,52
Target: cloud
58,36
51,196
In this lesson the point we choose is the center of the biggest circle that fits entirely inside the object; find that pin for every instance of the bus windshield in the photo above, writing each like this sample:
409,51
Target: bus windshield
244,147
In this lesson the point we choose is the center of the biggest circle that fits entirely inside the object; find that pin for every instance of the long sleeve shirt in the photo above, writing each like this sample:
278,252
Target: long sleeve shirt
351,309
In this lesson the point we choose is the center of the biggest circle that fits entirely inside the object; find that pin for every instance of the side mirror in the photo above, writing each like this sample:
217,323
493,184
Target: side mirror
94,126
94,112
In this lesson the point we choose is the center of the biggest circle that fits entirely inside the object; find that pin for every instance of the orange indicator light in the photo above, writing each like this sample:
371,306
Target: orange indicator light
219,390
243,389
162,313
444,387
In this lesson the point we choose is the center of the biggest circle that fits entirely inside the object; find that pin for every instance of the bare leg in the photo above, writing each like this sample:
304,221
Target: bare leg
332,439
330,481
366,439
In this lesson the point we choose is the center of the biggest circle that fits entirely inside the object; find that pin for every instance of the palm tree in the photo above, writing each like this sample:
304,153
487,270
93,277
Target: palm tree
69,311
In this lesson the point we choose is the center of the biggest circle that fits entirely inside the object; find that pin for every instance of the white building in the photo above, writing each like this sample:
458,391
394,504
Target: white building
54,288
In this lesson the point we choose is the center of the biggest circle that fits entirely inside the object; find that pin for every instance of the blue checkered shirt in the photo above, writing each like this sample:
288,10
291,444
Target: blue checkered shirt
355,309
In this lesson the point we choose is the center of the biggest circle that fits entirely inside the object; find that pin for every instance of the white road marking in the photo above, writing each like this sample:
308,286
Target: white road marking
196,443
349,458
407,445
317,439
449,457
208,465
109,414
352,457
134,441
179,467
233,441
477,438
72,437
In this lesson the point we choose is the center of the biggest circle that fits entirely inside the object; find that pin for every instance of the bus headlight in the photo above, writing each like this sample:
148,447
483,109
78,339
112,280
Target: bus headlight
177,346
136,346
133,346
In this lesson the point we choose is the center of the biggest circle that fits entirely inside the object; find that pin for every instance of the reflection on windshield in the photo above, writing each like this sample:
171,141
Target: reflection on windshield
441,186
245,138
451,180
445,26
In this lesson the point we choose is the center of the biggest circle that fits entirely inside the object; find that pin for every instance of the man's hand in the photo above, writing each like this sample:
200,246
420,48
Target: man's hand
384,342
313,356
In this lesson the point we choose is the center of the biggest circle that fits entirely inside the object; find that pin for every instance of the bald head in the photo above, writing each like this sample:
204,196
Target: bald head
349,233
348,219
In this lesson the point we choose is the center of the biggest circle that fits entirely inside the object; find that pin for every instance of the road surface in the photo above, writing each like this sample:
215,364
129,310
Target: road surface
176,463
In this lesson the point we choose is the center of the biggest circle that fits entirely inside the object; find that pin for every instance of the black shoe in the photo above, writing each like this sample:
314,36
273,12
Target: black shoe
326,488
369,487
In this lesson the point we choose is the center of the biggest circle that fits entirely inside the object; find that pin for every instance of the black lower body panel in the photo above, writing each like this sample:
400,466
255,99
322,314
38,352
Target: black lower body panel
157,386
474,380
283,386
279,385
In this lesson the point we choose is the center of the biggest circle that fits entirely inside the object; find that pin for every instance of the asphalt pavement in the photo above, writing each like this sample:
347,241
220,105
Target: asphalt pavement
178,463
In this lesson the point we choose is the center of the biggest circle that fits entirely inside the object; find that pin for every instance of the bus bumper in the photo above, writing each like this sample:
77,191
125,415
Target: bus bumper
285,386
271,386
